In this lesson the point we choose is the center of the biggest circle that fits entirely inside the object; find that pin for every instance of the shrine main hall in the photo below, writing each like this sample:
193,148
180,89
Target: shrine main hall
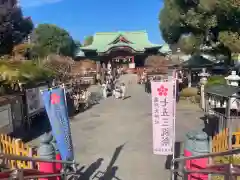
122,47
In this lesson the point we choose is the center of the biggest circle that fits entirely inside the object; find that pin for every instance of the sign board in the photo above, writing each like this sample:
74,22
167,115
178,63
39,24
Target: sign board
163,116
6,125
34,100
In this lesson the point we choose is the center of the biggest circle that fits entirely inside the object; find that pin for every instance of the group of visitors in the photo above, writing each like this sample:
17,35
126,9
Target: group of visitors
111,84
147,82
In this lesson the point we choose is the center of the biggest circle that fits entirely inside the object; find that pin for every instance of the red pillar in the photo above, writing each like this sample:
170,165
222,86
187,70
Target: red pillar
47,168
133,59
58,165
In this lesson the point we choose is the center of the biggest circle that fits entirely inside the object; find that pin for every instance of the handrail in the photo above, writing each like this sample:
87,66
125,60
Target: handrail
19,172
229,152
33,159
228,171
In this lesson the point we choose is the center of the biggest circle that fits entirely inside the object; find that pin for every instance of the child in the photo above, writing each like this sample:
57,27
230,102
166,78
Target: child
117,92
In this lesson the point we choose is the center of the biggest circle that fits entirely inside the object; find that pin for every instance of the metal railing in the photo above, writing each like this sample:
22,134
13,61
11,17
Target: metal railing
22,174
229,171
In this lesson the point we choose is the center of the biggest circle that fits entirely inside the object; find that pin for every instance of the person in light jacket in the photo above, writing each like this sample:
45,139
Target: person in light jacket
123,91
104,90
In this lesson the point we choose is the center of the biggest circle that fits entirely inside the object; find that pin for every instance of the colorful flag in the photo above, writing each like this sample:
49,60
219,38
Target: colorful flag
56,108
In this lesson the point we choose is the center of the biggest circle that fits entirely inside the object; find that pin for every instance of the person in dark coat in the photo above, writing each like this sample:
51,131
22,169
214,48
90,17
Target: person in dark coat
178,86
148,86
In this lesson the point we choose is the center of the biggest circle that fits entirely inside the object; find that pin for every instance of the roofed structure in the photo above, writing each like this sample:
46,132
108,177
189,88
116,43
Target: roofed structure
222,90
124,48
137,41
197,61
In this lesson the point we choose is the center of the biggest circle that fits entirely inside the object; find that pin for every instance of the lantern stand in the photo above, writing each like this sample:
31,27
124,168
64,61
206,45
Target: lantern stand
203,81
233,80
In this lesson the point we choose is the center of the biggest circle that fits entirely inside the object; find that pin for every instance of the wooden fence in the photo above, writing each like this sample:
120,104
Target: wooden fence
14,146
220,144
220,141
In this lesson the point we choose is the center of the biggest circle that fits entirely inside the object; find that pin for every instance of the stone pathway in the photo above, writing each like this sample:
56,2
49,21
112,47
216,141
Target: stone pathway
116,136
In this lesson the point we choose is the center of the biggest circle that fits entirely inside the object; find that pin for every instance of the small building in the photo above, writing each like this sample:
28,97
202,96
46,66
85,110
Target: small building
123,47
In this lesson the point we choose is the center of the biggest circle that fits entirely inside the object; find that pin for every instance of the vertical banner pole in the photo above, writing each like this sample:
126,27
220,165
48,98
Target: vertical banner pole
65,98
174,79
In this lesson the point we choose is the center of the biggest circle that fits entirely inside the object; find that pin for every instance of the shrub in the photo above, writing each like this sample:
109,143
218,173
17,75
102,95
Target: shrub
21,49
189,92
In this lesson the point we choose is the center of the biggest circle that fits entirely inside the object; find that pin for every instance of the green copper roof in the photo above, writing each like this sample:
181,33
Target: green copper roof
137,40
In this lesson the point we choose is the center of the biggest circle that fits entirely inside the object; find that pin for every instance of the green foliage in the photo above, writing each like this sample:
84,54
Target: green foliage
52,39
88,41
190,44
13,26
214,80
22,71
21,49
217,19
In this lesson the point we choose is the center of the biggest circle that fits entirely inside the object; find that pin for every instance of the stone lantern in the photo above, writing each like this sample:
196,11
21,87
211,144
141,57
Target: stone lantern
233,80
204,75
203,81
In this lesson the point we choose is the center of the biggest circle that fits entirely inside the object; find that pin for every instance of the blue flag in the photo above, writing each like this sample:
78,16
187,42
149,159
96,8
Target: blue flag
56,107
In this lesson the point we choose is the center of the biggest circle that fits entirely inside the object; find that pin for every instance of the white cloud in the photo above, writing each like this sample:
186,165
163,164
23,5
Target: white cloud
34,3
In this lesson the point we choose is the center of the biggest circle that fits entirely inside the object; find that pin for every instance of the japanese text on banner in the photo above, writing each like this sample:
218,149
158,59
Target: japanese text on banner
162,117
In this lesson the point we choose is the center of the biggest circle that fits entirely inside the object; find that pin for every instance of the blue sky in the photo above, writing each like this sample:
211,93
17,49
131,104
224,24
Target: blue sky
85,17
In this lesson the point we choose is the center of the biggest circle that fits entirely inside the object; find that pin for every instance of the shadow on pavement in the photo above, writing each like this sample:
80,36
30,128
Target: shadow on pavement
127,97
86,175
170,157
110,173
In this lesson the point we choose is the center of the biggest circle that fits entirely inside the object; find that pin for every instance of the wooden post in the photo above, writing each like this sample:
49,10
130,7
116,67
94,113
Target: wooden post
30,154
17,151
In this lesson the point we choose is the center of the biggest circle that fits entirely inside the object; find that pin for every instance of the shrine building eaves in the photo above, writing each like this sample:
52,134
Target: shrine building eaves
137,40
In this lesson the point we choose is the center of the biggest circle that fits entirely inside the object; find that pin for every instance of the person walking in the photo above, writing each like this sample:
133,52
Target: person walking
148,86
98,78
104,90
123,91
